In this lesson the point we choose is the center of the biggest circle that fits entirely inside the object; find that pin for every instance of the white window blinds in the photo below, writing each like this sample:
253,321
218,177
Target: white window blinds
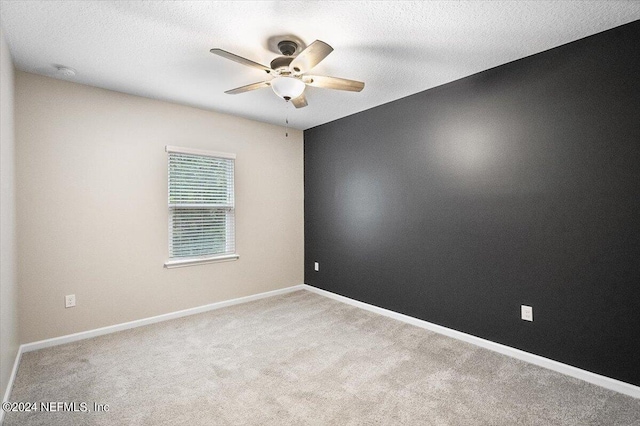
201,205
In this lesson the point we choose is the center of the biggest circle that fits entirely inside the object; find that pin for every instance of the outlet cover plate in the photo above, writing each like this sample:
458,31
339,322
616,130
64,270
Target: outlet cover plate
526,312
70,301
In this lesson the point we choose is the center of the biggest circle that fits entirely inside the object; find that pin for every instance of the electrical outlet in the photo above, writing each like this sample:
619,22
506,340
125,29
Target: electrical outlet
70,301
316,266
526,312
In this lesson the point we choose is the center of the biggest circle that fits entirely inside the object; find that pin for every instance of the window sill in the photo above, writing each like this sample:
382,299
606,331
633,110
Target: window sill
170,264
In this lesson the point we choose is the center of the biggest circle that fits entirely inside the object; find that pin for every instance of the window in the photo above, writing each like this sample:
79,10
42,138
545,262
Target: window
201,207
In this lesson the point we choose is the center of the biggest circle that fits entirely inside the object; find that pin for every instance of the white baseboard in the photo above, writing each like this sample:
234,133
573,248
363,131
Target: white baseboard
12,377
605,382
34,346
587,376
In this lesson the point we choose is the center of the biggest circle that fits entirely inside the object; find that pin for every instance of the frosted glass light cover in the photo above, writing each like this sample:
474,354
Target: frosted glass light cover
287,87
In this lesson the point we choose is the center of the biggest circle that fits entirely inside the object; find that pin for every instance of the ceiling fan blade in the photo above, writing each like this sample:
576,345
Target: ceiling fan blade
300,101
311,56
240,59
333,83
248,88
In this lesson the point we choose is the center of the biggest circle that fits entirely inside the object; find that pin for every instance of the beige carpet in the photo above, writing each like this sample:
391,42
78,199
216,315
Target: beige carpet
302,359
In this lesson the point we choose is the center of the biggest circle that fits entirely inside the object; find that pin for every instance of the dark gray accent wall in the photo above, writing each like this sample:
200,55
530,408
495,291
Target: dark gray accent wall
517,185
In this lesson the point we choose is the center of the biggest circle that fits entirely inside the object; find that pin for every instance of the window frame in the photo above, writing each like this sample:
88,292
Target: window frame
177,262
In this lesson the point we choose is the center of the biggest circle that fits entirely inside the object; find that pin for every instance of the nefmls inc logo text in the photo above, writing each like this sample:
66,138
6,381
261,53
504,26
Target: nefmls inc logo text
76,407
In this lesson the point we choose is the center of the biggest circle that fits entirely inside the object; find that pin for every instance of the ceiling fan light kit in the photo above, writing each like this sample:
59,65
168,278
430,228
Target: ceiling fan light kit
288,71
287,87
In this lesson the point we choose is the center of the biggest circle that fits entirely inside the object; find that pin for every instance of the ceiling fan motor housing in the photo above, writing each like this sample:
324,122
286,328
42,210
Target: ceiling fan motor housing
281,63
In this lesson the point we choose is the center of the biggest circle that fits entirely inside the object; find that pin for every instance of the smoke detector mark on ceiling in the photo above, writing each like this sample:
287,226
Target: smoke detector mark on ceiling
63,71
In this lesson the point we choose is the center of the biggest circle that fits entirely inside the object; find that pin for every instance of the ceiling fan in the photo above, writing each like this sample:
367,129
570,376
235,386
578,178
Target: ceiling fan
289,72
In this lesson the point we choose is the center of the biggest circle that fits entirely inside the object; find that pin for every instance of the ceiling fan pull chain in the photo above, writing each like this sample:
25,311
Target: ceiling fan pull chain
286,120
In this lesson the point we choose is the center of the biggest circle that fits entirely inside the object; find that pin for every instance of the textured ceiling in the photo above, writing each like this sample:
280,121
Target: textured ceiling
160,49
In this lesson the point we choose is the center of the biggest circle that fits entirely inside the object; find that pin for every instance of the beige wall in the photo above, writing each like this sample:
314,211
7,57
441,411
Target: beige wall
92,207
8,283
